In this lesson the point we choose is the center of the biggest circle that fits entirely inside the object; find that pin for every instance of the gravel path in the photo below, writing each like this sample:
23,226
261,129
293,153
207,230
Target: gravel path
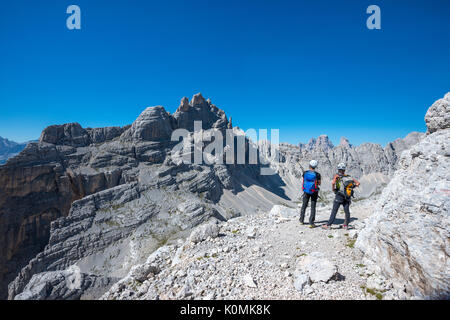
254,257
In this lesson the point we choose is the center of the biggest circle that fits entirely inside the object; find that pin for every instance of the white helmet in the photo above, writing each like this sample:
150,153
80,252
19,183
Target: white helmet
341,166
313,164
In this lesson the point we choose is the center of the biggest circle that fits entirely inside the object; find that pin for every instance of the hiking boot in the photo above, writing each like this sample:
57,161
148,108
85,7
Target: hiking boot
302,223
312,226
344,226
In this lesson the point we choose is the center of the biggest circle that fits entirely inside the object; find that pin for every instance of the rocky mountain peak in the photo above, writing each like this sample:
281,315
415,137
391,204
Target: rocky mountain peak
5,143
198,99
153,124
345,143
70,134
202,110
9,149
184,105
322,142
438,115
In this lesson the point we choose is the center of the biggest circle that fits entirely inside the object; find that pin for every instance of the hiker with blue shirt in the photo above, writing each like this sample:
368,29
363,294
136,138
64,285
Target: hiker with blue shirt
311,186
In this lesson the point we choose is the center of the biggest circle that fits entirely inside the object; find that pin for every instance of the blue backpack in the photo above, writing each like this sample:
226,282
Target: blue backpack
309,182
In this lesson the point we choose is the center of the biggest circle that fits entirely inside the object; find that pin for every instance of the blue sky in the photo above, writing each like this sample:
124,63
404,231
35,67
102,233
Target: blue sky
304,67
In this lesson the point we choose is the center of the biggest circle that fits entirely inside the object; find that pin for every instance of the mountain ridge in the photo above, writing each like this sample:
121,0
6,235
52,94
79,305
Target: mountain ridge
9,149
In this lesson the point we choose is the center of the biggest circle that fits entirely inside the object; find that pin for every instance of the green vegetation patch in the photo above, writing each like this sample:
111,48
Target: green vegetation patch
112,223
117,206
373,292
351,243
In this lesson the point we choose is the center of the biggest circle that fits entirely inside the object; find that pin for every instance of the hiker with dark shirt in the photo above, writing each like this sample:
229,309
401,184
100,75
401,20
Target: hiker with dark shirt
343,186
311,185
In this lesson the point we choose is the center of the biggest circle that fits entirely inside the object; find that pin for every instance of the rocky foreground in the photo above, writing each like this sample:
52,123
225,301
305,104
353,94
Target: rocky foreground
409,236
268,255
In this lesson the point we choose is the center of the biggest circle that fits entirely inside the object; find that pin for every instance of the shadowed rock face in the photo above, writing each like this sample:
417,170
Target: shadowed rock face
37,187
30,198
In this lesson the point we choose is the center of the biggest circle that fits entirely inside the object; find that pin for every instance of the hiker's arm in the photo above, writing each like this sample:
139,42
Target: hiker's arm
333,183
356,182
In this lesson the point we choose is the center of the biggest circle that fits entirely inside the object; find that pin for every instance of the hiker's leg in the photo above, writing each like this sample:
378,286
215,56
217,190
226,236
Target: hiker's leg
312,216
347,212
304,205
336,204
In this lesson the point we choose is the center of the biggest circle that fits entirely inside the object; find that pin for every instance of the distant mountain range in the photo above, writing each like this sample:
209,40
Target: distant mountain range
9,149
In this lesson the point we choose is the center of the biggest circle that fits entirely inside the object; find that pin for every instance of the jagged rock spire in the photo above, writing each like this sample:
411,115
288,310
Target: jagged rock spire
344,142
199,109
197,99
230,124
184,104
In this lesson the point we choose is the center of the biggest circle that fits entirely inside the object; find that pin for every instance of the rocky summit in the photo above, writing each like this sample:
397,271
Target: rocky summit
116,213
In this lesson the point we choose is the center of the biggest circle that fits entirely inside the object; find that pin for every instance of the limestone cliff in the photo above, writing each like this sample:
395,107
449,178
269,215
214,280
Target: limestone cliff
407,237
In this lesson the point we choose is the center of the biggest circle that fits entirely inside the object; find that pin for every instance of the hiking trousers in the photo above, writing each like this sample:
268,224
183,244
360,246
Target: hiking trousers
338,201
306,197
